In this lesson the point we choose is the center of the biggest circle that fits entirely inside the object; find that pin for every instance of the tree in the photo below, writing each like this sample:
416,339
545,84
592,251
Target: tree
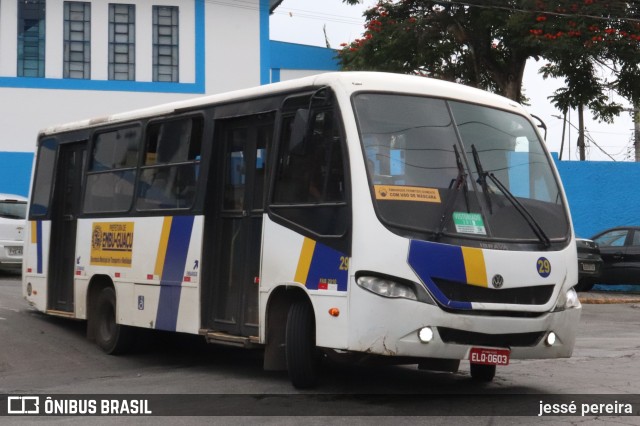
487,43
483,47
582,39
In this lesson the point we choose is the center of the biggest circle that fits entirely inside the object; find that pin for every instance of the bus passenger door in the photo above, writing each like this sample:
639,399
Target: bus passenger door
235,227
66,206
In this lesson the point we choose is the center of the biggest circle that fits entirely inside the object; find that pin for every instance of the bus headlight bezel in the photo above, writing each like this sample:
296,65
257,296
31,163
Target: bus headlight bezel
386,287
567,300
393,287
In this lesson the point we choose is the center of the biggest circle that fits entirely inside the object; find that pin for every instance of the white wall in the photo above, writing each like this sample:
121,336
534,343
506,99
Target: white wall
8,37
233,46
100,38
232,42
24,112
286,74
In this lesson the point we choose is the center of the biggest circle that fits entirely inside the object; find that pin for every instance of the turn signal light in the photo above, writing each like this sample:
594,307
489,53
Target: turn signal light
334,312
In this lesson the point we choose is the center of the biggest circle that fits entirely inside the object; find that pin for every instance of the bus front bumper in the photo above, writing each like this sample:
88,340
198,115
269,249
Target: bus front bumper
396,332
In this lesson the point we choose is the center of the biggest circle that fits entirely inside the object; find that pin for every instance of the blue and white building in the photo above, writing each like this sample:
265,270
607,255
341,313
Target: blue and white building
63,61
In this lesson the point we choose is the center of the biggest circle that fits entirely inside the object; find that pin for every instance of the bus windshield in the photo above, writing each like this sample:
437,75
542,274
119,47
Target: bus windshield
458,169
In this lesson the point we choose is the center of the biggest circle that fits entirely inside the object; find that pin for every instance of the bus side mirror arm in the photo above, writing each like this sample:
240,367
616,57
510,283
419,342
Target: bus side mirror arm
541,125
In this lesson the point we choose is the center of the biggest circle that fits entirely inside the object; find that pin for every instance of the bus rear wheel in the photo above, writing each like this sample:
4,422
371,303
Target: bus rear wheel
302,355
483,373
112,337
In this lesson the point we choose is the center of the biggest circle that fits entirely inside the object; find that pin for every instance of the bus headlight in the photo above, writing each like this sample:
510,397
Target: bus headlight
387,288
567,300
551,338
425,334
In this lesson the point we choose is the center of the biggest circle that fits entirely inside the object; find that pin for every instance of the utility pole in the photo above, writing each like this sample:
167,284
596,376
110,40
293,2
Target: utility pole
564,128
581,146
636,132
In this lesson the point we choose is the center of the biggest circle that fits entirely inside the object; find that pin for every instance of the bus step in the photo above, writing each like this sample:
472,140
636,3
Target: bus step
221,338
60,313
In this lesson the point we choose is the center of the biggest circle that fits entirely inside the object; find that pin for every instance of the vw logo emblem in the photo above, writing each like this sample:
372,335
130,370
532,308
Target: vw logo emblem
497,281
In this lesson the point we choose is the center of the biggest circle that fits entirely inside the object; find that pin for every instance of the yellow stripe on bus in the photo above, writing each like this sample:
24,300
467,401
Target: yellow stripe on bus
34,232
162,246
474,266
304,263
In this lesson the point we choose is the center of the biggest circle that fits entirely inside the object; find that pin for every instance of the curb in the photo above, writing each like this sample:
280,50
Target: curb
602,299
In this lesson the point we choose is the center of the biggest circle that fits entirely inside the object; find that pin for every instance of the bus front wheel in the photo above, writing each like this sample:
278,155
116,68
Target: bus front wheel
301,352
483,373
112,337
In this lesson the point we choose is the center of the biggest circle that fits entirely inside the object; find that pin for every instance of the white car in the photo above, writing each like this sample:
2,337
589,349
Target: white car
13,211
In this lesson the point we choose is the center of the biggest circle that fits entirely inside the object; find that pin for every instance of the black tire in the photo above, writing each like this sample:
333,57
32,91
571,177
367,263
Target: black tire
584,285
302,355
112,337
482,373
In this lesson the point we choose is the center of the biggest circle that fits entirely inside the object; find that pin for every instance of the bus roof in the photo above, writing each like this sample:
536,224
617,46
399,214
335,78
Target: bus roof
346,82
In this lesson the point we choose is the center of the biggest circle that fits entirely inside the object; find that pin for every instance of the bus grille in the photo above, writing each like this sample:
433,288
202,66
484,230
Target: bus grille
461,292
462,337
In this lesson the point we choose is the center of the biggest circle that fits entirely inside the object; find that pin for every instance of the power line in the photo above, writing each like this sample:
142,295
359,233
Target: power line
309,14
323,17
588,137
302,12
299,13
568,15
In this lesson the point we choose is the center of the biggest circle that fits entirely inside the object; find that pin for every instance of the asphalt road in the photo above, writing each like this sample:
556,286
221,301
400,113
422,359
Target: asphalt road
46,355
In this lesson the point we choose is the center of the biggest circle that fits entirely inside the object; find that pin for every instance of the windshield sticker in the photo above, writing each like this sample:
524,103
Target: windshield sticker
407,193
469,223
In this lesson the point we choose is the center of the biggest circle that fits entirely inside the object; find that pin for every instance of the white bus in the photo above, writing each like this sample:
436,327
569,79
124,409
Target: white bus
353,215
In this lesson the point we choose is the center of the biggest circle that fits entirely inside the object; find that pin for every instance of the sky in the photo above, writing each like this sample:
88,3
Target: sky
302,21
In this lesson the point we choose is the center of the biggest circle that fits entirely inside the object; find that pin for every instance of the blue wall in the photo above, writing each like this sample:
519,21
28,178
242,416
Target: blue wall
602,194
300,57
15,172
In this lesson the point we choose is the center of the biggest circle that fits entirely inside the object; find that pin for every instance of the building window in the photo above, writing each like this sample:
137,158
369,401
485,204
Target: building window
122,42
31,38
165,43
77,39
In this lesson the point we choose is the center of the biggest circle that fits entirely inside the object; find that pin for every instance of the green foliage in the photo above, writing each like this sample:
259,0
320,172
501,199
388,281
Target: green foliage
487,43
584,40
479,46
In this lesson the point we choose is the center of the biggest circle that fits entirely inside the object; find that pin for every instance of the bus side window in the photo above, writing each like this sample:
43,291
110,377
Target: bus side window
312,172
43,179
171,160
111,175
310,184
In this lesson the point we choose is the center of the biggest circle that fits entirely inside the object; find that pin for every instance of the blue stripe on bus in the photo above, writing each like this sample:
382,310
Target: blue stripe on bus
325,268
39,246
433,260
173,272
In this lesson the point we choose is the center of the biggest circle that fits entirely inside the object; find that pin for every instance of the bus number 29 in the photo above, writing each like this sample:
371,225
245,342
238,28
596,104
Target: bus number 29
344,263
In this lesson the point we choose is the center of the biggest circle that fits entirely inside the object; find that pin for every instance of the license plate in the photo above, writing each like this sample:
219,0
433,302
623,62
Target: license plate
588,267
489,356
15,251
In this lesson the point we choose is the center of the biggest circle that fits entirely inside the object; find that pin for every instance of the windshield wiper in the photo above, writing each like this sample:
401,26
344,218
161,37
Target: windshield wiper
459,182
531,221
482,177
